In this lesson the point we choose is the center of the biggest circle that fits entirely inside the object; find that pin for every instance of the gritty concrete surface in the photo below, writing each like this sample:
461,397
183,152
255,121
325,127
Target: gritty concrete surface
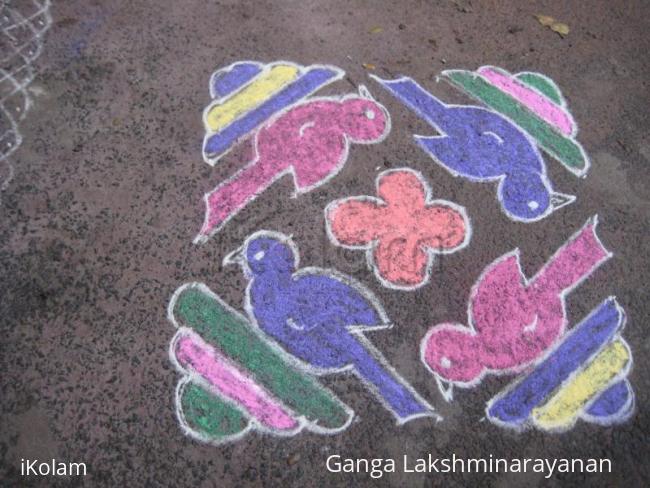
97,228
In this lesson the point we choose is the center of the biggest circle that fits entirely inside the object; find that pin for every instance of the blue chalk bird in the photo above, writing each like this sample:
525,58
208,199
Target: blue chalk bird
482,145
318,316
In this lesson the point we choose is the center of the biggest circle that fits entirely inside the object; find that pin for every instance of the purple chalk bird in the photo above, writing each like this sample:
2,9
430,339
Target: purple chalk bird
319,317
481,145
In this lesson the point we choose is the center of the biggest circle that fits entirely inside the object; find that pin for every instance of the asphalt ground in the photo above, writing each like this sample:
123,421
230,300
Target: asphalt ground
96,231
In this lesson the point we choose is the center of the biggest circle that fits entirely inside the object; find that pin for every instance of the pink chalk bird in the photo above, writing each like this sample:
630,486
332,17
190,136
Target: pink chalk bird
513,320
310,140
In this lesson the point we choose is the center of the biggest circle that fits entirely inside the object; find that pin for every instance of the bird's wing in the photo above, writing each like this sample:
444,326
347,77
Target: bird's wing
321,299
501,284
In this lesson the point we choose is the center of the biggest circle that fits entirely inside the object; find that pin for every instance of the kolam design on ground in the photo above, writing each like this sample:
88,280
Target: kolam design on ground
513,320
532,101
583,377
401,230
236,380
258,373
483,146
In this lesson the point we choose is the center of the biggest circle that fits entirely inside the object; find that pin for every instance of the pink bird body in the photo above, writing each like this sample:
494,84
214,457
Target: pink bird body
513,320
311,141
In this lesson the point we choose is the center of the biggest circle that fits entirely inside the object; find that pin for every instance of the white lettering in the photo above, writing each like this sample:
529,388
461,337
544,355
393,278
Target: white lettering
333,463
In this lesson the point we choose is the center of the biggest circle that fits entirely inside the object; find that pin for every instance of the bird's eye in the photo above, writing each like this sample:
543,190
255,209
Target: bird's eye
533,205
258,255
445,363
370,114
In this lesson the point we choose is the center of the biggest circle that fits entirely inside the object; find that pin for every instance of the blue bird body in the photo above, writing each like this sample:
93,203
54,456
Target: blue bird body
481,145
319,316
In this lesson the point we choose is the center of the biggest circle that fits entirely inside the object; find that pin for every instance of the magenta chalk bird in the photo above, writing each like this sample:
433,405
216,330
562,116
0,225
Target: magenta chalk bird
310,141
513,320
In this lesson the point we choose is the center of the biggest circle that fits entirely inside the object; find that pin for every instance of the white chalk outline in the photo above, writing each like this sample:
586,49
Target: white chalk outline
372,245
445,386
42,15
254,424
567,199
265,69
363,94
625,412
356,330
579,173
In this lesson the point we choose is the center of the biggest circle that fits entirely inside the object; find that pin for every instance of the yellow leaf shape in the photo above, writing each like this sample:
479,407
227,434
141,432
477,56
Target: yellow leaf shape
560,28
545,20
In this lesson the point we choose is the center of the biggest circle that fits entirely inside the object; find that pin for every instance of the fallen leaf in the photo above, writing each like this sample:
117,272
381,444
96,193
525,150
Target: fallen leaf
376,30
545,20
293,459
560,28
548,21
369,65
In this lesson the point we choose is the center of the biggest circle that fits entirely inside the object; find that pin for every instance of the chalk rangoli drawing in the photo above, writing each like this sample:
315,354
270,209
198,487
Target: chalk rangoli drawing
483,146
22,29
401,230
584,376
320,317
309,140
235,380
512,320
532,101
246,94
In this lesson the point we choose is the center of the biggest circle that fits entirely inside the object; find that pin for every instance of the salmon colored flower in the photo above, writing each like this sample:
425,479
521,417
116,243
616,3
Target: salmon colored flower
401,230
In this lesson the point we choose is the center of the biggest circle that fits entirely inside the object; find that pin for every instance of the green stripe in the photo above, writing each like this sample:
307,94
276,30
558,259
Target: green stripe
543,84
209,415
235,337
565,150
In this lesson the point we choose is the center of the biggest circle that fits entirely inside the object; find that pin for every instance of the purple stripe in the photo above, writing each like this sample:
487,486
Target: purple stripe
227,80
610,402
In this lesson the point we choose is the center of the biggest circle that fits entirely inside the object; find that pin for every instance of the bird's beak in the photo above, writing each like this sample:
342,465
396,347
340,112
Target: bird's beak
235,257
559,200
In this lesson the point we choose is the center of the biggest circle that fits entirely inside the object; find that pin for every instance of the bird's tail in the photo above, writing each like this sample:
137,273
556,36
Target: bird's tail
423,103
391,389
580,256
232,195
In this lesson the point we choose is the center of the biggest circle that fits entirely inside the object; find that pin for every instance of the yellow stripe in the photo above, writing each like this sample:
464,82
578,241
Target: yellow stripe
565,406
264,86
